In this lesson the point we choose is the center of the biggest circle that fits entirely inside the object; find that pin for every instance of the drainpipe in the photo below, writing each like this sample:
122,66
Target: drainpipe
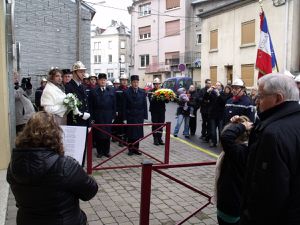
286,35
158,22
78,30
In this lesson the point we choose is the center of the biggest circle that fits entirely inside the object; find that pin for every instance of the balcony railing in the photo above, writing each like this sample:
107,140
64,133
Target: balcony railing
192,59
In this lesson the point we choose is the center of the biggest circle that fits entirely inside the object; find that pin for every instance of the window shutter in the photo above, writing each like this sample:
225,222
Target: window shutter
248,32
214,39
173,28
247,71
213,74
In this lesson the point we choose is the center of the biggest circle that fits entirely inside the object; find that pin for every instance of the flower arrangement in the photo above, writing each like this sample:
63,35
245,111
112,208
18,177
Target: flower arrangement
71,102
165,95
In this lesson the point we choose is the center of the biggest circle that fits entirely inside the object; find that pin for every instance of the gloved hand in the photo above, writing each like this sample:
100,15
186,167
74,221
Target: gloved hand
124,121
86,115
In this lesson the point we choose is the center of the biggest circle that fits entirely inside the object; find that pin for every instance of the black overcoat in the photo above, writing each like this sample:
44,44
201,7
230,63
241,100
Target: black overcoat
135,111
102,105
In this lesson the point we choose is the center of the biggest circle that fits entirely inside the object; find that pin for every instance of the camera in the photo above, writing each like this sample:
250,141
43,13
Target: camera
25,83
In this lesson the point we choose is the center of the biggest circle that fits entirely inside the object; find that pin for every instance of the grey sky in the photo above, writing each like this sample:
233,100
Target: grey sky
110,10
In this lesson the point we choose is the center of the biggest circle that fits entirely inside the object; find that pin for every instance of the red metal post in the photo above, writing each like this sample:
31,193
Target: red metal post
167,142
145,192
90,152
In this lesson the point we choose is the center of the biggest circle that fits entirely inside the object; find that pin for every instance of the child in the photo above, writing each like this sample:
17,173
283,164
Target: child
184,99
230,169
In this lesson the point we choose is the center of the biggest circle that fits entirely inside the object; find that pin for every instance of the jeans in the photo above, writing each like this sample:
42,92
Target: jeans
180,119
215,123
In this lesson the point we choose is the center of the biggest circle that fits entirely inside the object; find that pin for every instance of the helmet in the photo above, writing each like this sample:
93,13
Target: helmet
86,76
124,77
297,79
44,79
116,81
93,75
238,82
156,81
109,83
78,66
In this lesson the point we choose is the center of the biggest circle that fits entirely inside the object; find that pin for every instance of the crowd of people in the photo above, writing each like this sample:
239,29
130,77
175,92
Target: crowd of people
257,173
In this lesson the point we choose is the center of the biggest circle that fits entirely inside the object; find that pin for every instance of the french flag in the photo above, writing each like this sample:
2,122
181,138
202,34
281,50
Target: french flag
265,59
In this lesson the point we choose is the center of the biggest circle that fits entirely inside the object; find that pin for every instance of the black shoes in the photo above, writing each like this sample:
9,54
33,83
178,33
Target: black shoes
135,152
187,136
101,155
161,142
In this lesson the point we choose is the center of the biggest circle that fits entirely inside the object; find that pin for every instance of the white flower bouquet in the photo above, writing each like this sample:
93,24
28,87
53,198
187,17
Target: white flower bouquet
72,103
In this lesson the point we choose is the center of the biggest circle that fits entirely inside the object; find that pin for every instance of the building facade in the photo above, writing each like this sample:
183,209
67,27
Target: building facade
160,39
231,33
51,34
110,50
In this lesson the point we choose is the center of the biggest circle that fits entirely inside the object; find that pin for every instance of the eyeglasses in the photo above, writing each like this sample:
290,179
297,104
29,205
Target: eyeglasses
261,96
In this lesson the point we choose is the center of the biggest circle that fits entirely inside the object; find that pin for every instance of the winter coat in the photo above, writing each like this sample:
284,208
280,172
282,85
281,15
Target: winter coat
80,92
272,182
102,108
120,98
47,187
230,182
23,107
135,108
241,106
156,106
53,100
203,100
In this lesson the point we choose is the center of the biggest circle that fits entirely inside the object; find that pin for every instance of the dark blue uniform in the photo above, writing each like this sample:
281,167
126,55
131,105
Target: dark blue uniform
120,99
103,109
135,111
80,92
157,109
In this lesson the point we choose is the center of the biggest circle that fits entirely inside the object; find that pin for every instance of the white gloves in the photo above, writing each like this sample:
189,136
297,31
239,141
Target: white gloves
124,121
85,116
76,112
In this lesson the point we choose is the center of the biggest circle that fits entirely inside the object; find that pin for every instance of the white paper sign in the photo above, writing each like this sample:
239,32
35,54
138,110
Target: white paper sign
74,141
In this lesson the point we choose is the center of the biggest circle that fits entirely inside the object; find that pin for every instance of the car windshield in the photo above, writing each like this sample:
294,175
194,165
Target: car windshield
169,84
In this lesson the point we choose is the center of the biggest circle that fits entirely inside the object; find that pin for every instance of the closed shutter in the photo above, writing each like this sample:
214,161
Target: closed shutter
172,58
213,74
170,4
144,30
248,32
214,39
173,27
247,71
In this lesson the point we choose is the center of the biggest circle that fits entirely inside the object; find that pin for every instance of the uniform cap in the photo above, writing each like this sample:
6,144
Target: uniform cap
102,76
66,71
134,77
44,79
93,75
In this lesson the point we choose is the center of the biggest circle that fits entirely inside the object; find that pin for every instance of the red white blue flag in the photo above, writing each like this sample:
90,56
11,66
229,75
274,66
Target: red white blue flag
266,59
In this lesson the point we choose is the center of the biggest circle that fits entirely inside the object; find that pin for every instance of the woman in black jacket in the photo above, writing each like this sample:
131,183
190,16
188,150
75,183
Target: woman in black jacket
231,169
46,184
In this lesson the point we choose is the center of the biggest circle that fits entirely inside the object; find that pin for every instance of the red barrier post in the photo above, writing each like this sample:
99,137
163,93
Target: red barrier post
167,142
145,192
90,152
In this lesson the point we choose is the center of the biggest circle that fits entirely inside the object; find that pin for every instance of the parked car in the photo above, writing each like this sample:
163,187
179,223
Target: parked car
177,82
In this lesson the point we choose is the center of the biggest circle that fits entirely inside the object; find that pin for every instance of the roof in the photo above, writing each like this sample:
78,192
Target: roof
225,7
198,1
92,10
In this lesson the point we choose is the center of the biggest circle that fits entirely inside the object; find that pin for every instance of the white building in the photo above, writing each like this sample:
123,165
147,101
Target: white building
231,33
160,39
110,50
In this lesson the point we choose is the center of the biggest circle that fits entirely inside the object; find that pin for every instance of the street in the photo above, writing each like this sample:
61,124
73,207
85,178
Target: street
170,117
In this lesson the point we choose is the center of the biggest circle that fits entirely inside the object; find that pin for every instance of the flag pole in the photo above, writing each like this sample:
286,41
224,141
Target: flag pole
261,7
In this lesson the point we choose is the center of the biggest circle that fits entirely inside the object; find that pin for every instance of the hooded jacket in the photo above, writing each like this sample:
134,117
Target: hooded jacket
47,187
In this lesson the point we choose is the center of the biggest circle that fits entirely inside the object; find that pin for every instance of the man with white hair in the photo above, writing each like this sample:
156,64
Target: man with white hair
272,183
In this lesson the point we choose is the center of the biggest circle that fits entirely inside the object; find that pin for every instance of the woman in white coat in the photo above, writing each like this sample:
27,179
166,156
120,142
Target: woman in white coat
54,95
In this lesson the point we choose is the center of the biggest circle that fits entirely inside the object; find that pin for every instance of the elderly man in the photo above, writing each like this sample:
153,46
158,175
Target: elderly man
272,184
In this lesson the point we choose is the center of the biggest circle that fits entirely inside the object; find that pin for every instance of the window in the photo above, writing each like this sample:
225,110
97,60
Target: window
110,73
109,58
109,44
172,58
145,32
97,59
247,71
213,74
170,4
122,58
248,32
173,28
97,45
122,44
145,9
214,39
199,38
144,60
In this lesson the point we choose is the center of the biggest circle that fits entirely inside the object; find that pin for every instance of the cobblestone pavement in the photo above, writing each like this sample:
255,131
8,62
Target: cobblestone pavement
118,198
